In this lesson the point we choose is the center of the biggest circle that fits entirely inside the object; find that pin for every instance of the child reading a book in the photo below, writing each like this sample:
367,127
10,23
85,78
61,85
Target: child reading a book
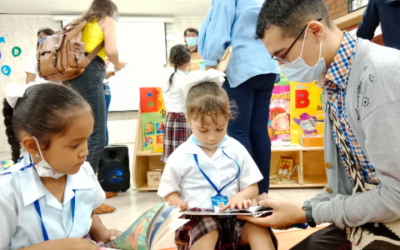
47,198
212,168
177,131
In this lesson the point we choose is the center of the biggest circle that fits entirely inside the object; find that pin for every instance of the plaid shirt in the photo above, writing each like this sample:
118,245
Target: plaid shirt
336,85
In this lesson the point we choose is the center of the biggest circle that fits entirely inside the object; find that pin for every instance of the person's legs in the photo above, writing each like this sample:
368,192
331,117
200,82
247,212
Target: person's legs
259,137
90,86
257,237
107,95
208,241
239,128
328,238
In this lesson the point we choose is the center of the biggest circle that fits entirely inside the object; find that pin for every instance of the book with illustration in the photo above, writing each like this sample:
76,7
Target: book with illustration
255,211
307,115
279,116
154,230
153,118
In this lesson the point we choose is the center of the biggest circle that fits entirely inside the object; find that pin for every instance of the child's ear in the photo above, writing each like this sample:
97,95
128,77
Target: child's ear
188,120
30,145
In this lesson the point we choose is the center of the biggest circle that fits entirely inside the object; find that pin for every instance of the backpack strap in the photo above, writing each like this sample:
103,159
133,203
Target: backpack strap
90,56
96,50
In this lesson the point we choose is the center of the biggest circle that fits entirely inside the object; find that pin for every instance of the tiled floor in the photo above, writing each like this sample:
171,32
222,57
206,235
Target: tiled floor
131,204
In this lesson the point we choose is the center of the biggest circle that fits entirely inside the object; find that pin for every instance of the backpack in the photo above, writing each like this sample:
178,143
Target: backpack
61,57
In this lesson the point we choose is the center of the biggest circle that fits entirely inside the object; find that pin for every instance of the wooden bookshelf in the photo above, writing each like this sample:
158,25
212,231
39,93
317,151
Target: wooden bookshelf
311,166
311,170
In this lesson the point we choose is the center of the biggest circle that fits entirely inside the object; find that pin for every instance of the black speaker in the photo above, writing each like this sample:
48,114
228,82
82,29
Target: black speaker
114,174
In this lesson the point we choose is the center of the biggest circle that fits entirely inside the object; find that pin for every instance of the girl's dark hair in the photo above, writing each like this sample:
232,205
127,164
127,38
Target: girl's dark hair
98,10
46,31
179,55
209,99
43,111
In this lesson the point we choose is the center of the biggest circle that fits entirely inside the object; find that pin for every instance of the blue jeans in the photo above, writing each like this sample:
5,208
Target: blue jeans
90,86
107,95
251,125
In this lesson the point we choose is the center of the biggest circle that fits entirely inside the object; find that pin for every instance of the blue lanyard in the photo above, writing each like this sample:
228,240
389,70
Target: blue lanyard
208,179
45,235
6,172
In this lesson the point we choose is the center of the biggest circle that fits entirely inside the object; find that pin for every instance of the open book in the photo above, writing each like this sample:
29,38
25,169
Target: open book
154,230
257,211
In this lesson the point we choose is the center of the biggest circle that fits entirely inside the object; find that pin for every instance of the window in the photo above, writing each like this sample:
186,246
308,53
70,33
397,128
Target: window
357,4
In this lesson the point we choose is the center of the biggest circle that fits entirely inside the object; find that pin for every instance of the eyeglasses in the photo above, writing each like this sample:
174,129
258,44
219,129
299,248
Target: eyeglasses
282,59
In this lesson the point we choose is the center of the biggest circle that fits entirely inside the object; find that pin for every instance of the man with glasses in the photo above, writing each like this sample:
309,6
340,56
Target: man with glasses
361,105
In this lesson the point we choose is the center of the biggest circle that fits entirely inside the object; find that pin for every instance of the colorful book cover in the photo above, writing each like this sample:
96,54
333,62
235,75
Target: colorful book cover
154,230
6,164
307,115
279,115
153,115
135,237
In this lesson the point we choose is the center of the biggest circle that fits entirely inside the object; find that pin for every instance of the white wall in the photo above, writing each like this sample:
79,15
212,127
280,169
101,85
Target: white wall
21,31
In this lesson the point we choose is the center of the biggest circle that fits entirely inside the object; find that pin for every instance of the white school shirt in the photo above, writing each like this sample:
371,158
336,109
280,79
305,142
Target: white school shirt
174,98
31,67
20,224
182,175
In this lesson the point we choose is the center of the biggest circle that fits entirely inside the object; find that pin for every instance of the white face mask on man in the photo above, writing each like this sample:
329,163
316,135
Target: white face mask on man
43,168
299,71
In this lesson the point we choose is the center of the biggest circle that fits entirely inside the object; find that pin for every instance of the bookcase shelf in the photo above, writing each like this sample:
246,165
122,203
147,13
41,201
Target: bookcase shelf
309,174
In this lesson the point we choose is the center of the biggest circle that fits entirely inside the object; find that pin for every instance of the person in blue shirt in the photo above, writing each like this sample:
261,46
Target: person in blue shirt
386,12
251,73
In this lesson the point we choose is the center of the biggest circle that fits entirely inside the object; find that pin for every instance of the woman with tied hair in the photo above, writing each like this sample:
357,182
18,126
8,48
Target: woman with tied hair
101,26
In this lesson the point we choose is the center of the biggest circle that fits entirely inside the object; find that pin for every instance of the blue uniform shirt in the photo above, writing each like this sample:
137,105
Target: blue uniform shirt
233,22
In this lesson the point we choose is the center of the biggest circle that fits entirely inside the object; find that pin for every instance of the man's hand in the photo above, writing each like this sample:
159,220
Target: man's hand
285,214
261,197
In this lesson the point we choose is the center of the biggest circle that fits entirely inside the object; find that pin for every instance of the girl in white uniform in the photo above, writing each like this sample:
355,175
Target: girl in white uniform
177,131
212,171
48,196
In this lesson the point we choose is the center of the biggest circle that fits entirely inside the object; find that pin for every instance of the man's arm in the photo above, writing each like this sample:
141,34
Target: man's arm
382,203
367,27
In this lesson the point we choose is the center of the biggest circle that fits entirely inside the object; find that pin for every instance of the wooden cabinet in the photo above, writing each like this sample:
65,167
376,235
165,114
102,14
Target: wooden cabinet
309,173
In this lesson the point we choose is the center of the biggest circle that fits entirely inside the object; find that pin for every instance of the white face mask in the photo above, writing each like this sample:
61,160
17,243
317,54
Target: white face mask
43,168
299,71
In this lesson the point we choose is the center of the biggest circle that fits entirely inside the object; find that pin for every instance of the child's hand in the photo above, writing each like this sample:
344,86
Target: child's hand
183,205
236,202
110,235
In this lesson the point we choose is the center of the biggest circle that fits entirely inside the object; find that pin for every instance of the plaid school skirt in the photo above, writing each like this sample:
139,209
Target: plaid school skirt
230,232
177,131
